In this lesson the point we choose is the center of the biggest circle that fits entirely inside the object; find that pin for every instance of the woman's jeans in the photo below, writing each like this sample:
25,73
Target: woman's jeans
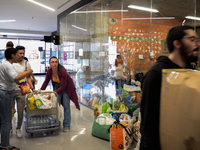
63,98
6,103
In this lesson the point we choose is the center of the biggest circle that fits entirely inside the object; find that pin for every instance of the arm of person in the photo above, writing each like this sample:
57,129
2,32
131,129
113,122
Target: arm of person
33,78
23,75
46,81
150,106
31,84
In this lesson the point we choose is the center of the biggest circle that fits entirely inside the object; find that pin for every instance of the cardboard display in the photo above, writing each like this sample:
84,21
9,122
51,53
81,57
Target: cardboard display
180,110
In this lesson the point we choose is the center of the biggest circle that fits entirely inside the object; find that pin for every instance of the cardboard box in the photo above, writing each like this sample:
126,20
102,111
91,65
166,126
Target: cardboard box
180,110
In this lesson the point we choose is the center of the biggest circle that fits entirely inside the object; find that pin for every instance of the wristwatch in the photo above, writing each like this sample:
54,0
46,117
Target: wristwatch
32,89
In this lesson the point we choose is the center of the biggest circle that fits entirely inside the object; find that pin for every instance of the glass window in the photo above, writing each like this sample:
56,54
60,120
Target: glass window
96,33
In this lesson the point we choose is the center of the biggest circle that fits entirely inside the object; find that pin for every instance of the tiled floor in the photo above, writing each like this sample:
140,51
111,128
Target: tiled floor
78,138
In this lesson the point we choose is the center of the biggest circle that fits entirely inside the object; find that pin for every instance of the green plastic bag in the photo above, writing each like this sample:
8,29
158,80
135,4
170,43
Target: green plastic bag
105,106
124,93
132,107
100,131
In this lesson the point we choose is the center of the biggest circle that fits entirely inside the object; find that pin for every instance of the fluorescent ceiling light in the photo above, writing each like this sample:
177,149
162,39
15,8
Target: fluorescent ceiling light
148,18
79,28
142,8
94,11
32,1
21,34
192,17
7,20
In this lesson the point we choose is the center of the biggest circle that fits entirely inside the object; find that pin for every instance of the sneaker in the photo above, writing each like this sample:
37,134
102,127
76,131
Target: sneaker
11,132
18,132
66,129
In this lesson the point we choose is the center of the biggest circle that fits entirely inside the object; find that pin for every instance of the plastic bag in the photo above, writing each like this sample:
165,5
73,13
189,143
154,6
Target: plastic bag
60,113
42,102
105,106
125,118
54,99
104,119
123,108
31,103
25,88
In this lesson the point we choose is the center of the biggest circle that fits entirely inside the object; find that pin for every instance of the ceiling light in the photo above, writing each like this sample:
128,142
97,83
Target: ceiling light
32,1
142,8
94,11
148,18
7,20
79,28
192,17
21,34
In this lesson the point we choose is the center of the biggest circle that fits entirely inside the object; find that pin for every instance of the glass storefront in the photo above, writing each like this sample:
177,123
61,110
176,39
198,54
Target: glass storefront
38,52
96,33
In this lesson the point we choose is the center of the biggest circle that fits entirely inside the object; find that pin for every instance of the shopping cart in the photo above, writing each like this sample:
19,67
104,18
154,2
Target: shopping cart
40,120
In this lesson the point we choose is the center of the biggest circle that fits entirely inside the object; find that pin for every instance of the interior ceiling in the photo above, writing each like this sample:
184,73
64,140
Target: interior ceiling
167,8
31,18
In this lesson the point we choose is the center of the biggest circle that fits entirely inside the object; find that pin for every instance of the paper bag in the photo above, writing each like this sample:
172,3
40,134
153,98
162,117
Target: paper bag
180,109
120,139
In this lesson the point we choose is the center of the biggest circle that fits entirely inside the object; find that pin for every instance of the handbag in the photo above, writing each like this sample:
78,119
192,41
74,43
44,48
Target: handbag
24,86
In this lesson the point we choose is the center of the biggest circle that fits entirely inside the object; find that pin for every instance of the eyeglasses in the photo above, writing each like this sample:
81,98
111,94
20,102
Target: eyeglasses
193,39
54,62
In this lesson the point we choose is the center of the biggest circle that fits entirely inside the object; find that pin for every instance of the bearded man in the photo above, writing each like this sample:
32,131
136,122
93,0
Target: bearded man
183,45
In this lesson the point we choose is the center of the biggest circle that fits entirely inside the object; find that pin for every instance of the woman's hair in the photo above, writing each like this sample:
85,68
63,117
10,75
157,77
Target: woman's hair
59,65
9,52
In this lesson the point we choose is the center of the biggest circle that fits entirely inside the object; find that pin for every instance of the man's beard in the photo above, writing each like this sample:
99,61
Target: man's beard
185,53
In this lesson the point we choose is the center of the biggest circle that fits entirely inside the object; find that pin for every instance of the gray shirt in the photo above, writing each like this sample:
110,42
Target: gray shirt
7,76
20,67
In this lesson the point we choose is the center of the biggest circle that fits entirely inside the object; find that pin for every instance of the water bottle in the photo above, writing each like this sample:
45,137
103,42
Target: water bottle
41,122
37,122
47,122
51,121
34,122
29,123
44,122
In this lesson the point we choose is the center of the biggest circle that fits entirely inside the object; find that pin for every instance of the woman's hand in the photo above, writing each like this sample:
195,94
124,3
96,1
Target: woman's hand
34,90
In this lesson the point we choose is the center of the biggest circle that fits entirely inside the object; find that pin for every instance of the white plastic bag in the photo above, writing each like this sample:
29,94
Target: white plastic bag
60,113
54,99
42,102
105,120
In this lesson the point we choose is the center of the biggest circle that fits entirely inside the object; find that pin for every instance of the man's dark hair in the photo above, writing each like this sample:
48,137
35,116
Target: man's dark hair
118,56
9,44
8,53
20,48
176,33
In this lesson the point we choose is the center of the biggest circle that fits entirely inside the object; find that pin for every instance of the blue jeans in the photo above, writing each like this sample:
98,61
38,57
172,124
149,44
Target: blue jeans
6,103
120,83
63,98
